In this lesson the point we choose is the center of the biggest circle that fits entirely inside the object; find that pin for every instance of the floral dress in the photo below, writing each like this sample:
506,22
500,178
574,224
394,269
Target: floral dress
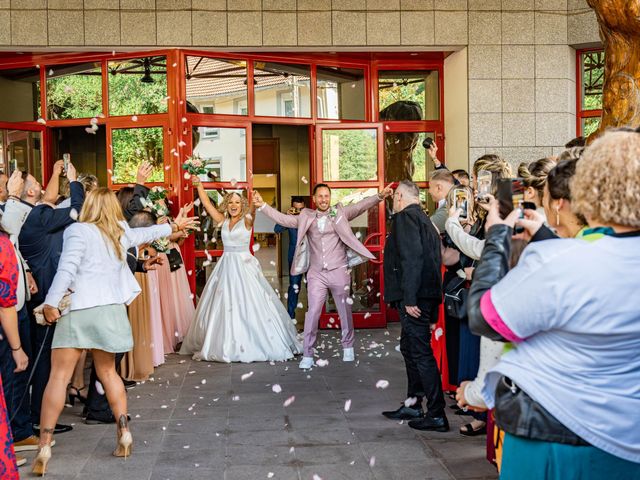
8,286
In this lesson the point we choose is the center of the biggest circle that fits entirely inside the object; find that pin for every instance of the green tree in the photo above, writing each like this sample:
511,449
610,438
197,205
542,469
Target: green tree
358,159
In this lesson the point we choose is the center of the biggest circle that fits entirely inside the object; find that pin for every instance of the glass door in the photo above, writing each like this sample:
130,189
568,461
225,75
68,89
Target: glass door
350,159
22,149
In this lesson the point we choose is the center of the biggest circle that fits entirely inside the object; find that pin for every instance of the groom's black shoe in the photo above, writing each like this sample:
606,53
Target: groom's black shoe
436,424
404,413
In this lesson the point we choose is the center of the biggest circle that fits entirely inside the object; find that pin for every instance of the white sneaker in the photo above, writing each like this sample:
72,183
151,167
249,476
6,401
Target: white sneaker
306,363
348,355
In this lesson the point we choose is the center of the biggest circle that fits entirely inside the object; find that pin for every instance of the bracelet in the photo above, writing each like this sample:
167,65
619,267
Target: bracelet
16,349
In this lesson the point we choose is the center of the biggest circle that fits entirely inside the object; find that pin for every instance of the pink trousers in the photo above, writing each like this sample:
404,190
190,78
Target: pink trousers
319,283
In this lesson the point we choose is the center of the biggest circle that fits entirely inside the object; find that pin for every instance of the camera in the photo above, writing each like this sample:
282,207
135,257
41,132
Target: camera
427,142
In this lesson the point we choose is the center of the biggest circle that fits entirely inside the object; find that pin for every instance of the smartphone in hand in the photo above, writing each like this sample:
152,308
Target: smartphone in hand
461,202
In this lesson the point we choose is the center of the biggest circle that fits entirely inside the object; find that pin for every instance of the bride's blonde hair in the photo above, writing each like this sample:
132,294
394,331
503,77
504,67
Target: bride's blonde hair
102,209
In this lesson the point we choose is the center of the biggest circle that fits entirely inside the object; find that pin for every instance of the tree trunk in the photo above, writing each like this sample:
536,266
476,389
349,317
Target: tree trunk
619,22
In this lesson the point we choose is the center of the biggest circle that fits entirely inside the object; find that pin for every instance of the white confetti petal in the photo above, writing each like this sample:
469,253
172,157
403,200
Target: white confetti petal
372,462
99,388
276,388
438,333
304,180
410,402
134,118
322,362
347,405
246,376
73,214
289,401
350,300
382,384
42,121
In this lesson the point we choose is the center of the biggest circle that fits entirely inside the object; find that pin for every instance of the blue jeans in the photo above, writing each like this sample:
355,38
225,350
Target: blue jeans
15,385
292,295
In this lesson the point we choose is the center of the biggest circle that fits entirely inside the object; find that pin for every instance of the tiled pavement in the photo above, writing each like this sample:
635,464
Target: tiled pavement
203,421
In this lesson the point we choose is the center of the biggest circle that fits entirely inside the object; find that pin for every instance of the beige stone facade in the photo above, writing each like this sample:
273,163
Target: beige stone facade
520,54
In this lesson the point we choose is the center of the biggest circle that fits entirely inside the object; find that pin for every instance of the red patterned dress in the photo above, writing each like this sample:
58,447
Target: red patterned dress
8,285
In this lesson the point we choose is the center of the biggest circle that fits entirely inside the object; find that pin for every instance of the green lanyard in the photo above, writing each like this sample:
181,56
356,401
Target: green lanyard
593,234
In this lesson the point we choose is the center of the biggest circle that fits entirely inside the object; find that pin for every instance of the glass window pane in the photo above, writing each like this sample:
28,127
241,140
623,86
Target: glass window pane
340,93
21,149
217,85
409,95
592,80
20,89
132,146
350,154
74,91
282,90
138,86
590,125
209,237
224,151
405,157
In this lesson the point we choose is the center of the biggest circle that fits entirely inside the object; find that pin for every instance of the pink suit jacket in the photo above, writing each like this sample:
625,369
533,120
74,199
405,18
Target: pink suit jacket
357,253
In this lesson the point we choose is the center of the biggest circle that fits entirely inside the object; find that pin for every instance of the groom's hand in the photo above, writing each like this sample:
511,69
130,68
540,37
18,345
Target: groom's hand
386,192
258,202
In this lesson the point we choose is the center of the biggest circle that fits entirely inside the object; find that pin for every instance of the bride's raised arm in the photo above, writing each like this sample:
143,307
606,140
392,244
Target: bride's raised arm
251,215
208,205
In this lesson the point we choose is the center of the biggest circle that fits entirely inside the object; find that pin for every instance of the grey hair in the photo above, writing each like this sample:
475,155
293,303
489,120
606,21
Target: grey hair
409,189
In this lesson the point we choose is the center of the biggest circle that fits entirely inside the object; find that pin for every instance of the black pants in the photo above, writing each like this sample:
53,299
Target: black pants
41,338
97,404
423,376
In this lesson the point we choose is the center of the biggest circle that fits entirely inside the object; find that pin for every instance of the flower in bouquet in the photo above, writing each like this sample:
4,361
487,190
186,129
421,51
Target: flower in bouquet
161,245
194,166
160,209
157,193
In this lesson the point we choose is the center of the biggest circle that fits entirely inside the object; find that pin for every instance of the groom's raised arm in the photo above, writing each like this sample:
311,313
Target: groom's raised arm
356,209
290,221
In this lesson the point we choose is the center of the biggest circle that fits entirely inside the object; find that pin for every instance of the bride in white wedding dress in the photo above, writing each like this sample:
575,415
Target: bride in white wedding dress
239,317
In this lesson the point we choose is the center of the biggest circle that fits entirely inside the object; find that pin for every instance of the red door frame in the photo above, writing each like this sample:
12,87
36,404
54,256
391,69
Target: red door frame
360,319
177,123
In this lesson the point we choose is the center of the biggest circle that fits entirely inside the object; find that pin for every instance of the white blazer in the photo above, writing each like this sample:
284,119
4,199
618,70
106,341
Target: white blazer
14,216
90,268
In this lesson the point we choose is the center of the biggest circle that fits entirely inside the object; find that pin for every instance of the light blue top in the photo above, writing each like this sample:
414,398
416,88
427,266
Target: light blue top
577,305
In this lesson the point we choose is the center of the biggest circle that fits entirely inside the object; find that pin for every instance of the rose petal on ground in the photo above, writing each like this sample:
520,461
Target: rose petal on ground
347,405
372,461
276,388
410,402
289,401
382,384
321,362
246,376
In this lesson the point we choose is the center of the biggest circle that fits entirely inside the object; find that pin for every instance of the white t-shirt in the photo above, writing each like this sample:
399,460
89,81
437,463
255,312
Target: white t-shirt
577,305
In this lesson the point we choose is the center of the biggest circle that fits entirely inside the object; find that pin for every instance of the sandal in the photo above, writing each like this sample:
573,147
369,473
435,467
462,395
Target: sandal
72,397
470,432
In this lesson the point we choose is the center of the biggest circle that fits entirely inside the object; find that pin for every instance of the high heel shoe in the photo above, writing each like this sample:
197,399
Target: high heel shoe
39,466
72,397
125,439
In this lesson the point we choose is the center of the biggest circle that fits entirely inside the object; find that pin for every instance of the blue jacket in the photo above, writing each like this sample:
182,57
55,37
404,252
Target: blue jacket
293,240
41,237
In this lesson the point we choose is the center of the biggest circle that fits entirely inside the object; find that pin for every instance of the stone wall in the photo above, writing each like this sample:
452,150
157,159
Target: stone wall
521,60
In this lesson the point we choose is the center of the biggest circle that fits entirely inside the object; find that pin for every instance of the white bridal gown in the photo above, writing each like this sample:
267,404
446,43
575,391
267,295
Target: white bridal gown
239,317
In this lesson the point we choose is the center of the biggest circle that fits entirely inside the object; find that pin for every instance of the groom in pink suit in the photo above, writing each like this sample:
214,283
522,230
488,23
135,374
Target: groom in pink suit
326,251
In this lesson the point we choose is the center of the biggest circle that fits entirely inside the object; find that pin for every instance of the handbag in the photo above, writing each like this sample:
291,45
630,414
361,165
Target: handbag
175,259
455,298
64,305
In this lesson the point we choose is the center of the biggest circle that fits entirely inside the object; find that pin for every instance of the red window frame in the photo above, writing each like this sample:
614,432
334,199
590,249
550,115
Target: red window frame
581,113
